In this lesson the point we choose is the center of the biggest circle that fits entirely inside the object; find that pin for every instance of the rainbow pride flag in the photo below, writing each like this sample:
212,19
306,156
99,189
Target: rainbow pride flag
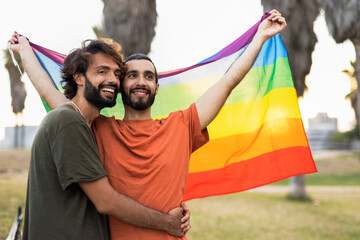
257,138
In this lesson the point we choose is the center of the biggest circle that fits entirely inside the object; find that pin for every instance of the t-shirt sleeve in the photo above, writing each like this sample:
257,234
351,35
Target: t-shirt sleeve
199,138
101,129
76,155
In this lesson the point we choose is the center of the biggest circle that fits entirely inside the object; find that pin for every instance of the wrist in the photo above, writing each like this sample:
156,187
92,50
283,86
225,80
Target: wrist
173,226
169,222
261,39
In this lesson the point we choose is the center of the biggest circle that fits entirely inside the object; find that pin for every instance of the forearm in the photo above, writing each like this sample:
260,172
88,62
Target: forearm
41,80
210,103
242,65
268,28
134,213
110,202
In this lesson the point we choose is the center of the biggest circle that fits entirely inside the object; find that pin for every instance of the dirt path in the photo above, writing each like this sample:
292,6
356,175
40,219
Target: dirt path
325,154
285,189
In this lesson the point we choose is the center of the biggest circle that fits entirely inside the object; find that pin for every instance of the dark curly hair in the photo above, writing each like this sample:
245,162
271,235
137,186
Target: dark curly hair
79,60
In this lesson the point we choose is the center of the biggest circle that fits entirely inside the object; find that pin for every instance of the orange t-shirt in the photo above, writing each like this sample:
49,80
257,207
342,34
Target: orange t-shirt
148,160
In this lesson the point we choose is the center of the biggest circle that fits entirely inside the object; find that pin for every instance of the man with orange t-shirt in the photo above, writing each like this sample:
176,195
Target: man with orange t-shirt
148,159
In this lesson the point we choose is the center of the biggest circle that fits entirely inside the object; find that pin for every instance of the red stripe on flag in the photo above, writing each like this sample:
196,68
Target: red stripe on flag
255,172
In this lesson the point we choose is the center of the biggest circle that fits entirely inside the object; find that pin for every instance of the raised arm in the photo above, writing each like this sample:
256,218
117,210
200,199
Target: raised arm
210,103
110,202
37,75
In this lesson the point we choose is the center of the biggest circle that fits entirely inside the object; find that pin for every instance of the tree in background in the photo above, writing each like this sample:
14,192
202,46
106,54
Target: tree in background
353,95
18,95
299,39
354,133
299,36
130,23
343,22
98,31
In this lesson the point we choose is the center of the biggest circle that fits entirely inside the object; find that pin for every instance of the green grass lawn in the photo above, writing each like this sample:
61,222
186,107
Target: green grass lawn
13,177
248,215
12,195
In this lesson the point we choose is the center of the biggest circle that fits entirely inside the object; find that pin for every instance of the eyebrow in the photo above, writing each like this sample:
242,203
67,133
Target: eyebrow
106,67
135,71
131,71
150,72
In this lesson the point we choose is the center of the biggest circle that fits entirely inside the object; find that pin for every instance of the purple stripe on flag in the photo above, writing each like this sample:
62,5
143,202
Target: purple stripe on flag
236,45
55,56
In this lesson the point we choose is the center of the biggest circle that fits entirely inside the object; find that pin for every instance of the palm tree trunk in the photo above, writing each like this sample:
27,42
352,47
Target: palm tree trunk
297,188
356,42
130,23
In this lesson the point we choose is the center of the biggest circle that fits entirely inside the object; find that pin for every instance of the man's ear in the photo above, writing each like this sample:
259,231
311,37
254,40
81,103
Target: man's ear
157,89
79,78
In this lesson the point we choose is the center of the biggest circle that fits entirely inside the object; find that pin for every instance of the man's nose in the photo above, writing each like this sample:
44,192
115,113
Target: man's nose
141,80
113,78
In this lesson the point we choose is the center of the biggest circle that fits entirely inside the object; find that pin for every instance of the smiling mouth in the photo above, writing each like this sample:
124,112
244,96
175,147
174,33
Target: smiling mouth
140,92
108,92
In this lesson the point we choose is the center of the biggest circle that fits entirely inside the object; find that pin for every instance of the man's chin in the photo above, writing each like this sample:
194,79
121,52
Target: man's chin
110,104
137,102
108,101
104,104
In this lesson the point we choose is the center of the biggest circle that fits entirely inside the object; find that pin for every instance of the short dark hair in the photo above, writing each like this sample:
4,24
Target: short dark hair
141,56
79,60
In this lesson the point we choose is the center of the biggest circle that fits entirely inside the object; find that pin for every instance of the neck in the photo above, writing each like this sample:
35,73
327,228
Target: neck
133,114
87,110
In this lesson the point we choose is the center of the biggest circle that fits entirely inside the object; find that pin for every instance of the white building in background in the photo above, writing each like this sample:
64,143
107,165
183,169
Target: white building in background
21,138
321,128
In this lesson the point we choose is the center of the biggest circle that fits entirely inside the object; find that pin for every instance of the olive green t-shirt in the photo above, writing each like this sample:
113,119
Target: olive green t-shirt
64,152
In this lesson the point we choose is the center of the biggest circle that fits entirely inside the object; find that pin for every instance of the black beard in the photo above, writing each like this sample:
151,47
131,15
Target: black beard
140,104
92,94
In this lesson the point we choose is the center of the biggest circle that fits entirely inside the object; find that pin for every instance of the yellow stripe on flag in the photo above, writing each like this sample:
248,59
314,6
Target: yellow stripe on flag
245,146
251,115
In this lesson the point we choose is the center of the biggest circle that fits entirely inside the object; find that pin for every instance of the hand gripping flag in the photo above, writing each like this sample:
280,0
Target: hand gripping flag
257,138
